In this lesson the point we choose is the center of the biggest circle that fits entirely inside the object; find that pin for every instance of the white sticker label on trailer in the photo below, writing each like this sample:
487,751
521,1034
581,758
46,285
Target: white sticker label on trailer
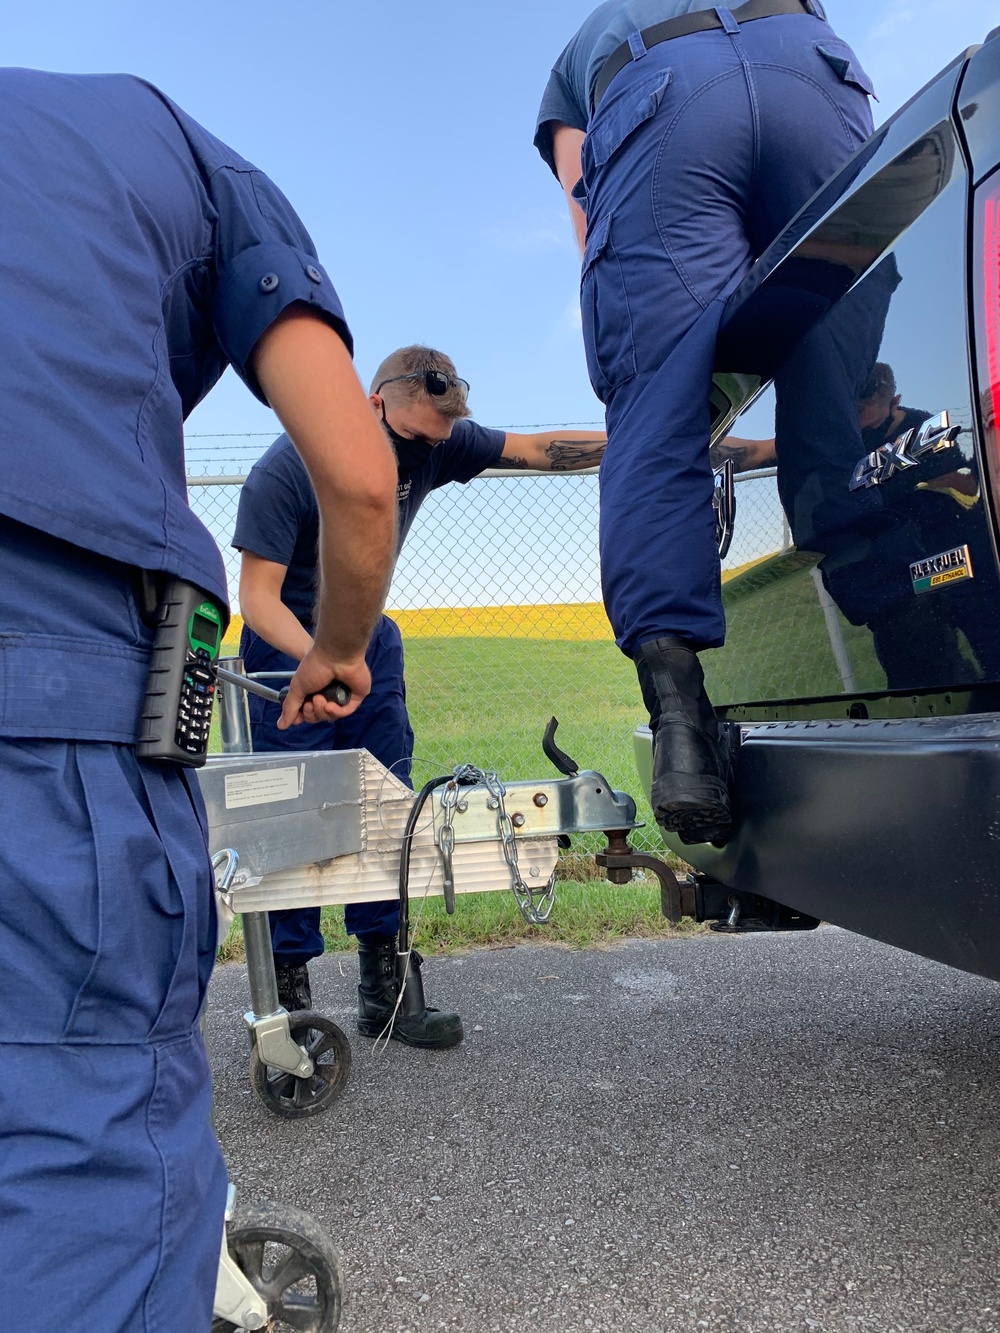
262,788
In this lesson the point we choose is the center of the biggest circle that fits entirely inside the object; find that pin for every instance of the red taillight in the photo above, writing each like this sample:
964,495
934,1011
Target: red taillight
986,270
989,330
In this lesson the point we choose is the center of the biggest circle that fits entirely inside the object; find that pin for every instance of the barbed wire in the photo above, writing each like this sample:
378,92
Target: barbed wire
270,434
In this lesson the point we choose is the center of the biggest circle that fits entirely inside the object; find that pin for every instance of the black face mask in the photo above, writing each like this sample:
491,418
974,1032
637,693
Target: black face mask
873,436
411,455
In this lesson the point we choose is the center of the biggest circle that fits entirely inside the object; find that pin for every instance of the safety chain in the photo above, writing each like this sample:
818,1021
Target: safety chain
535,905
446,842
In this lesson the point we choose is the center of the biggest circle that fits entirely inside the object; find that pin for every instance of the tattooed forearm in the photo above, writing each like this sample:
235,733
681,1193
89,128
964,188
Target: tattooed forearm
746,454
738,453
515,461
573,455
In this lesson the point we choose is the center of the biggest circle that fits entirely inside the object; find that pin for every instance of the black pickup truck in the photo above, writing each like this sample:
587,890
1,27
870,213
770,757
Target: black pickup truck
862,669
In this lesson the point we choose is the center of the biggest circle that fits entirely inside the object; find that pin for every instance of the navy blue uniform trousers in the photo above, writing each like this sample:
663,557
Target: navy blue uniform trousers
700,152
382,727
112,1185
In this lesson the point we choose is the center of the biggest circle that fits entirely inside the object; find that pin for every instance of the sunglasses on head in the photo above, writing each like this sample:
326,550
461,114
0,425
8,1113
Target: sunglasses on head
436,382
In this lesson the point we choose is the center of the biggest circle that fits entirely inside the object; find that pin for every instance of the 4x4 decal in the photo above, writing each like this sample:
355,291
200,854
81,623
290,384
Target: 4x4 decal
906,451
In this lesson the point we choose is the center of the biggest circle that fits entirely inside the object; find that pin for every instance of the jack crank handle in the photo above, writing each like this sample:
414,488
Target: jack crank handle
335,693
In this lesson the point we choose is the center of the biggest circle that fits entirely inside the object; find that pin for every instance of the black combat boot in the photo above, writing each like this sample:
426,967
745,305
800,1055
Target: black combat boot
691,759
293,986
382,973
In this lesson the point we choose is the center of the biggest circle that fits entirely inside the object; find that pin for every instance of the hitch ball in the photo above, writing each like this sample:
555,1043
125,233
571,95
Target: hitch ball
618,845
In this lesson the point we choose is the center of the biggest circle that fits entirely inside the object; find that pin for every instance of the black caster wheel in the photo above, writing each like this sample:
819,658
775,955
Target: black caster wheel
294,1098
291,1262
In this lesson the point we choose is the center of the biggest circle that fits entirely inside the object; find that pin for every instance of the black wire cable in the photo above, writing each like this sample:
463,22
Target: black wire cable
404,858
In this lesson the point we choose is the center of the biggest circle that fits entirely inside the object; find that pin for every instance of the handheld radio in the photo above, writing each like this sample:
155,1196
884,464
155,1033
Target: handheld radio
176,713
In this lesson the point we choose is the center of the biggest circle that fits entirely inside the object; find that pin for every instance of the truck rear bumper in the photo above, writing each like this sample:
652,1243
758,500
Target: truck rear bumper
888,828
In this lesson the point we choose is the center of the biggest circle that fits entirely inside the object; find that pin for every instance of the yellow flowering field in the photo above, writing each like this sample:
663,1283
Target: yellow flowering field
572,622
582,622
566,622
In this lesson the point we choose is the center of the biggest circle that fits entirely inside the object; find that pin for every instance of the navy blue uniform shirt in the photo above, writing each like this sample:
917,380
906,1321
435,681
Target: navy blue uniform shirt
140,257
567,94
278,518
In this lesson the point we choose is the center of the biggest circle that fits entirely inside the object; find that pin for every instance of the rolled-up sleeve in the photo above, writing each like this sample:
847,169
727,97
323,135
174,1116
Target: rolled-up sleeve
255,286
265,261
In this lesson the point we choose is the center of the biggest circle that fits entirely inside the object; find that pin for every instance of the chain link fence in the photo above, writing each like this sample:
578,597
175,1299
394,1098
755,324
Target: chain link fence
497,595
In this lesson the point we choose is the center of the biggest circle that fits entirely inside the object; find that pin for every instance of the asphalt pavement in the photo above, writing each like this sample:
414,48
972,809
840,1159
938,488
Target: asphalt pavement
744,1133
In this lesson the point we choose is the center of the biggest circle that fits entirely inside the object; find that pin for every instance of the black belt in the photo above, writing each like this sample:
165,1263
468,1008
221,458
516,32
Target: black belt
701,20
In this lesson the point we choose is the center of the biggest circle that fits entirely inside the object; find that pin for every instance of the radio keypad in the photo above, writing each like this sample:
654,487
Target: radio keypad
194,713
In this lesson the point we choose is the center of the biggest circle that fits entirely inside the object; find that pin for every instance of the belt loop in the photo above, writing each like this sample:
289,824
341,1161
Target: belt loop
636,45
727,20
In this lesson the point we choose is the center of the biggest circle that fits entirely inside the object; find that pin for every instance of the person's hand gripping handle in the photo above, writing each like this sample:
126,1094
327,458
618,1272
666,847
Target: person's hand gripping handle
323,690
335,693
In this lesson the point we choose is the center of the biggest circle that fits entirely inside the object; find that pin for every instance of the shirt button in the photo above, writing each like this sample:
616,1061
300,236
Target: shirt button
313,272
269,283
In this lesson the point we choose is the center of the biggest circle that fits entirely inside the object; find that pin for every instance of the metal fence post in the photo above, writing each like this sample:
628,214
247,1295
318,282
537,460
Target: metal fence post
234,711
834,634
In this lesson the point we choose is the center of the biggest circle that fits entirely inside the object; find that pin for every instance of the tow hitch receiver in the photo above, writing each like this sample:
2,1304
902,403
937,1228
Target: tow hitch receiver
734,912
731,911
620,860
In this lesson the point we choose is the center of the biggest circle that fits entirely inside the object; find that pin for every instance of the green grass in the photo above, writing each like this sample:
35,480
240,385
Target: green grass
488,701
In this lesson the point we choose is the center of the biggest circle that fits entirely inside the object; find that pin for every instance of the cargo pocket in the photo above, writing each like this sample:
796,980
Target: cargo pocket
604,308
845,64
619,117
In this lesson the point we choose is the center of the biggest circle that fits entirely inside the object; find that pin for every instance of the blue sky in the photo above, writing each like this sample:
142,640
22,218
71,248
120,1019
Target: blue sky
402,133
